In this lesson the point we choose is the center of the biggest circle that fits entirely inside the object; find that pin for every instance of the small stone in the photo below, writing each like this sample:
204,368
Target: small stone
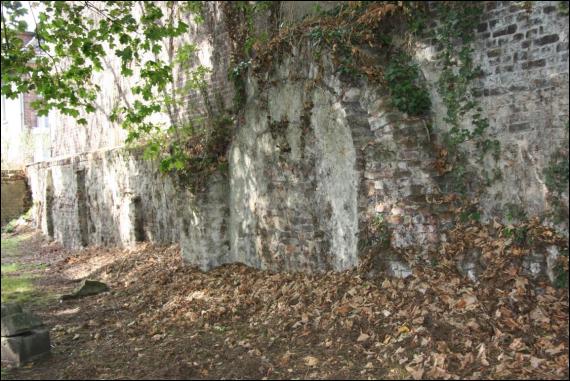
19,323
398,269
351,95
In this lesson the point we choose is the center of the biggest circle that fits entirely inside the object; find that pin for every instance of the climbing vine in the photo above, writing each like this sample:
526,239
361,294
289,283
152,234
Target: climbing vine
408,93
346,30
240,23
454,35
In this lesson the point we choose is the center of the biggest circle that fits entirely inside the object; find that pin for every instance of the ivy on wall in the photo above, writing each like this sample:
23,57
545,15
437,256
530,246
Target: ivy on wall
454,34
239,18
408,93
556,178
344,30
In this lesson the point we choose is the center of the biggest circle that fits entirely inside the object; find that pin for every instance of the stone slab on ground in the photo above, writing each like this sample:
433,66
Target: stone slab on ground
26,347
86,288
19,323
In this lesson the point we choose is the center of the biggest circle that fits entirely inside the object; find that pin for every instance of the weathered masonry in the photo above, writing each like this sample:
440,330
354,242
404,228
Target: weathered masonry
15,194
313,166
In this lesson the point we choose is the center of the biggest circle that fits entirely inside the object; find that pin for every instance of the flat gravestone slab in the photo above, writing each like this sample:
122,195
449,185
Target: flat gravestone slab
19,323
26,347
86,288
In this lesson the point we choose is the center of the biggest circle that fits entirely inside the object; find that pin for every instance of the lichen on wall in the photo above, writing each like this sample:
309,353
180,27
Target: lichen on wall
316,158
117,198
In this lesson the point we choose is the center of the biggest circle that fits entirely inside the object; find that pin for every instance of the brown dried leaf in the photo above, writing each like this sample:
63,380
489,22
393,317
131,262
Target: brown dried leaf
535,362
538,316
363,337
555,350
517,345
311,360
344,310
416,372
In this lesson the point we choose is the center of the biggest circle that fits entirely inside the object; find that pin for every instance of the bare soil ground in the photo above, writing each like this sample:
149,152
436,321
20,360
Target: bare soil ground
163,319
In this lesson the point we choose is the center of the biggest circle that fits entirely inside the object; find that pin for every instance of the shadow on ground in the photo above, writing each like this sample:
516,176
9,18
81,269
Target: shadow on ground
165,320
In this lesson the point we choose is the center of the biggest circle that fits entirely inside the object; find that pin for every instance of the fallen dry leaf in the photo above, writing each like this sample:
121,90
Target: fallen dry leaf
344,310
311,360
555,350
535,362
416,372
403,329
363,337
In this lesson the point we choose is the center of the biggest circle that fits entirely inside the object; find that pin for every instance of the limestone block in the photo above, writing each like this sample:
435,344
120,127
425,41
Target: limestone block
379,106
378,122
18,323
551,261
10,308
534,264
27,347
351,95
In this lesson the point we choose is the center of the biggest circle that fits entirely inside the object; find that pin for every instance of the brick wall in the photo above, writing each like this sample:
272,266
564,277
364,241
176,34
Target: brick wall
523,52
15,195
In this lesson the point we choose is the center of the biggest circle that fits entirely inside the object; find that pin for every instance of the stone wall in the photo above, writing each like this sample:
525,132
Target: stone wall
323,166
117,198
15,195
523,52
315,162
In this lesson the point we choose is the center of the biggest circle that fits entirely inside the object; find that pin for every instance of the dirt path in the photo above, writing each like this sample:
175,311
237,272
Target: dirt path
165,320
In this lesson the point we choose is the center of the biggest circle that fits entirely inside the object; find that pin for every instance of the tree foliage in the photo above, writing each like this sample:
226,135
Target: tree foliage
75,40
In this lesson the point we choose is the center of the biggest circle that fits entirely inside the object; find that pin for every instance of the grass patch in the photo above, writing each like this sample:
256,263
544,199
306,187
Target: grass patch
9,268
16,288
18,279
9,245
20,289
